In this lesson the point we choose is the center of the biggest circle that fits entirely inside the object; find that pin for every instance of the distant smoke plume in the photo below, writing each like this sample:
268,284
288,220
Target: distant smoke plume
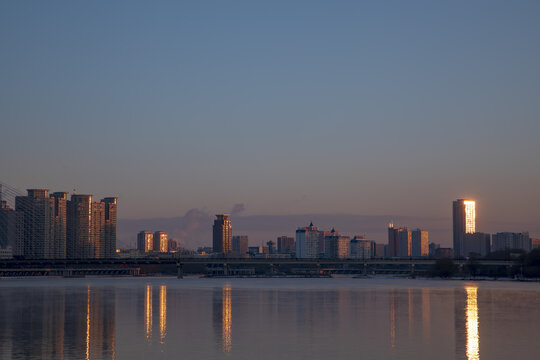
237,209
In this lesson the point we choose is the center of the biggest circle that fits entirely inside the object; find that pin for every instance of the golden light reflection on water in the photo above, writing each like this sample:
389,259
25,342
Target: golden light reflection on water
148,311
473,338
226,319
162,313
88,323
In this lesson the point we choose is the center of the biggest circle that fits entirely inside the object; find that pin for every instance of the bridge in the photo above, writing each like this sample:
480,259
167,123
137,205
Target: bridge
225,266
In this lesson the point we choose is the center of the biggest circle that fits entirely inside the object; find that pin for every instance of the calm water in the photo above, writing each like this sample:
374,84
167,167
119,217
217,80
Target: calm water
166,318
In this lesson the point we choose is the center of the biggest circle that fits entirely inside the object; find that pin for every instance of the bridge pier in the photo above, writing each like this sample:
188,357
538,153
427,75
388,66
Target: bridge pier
225,269
412,270
180,268
364,271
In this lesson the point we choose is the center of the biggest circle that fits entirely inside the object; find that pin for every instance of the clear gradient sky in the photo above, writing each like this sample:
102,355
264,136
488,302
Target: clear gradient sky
360,107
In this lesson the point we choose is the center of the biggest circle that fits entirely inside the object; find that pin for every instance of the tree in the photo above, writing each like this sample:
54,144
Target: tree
443,268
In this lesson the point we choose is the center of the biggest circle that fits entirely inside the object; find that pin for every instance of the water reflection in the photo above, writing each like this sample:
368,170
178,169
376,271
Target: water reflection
158,299
58,323
473,338
162,313
222,306
148,310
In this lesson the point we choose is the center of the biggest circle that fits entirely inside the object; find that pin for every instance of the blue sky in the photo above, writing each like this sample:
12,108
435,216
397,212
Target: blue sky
288,107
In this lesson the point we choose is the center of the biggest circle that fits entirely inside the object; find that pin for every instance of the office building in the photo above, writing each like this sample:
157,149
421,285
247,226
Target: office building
420,243
464,222
145,241
308,240
240,245
476,244
535,243
511,241
222,235
286,245
161,242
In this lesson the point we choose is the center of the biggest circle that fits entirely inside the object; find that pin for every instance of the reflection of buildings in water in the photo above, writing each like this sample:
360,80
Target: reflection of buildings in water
467,336
55,323
148,311
162,313
393,306
409,313
473,339
159,300
222,315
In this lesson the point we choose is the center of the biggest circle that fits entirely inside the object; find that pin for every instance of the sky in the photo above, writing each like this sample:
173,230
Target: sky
286,107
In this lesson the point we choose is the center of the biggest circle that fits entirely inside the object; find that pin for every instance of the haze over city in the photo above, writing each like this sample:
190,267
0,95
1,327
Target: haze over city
345,110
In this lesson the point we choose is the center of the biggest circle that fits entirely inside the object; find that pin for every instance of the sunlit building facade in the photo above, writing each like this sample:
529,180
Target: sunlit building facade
145,241
161,242
336,246
464,222
222,235
420,243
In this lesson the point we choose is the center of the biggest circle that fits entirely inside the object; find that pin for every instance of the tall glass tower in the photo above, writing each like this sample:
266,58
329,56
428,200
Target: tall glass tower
464,222
222,239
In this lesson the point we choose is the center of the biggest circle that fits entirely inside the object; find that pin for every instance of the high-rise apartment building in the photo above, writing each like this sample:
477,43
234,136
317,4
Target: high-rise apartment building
393,241
285,245
91,227
507,240
336,246
420,243
161,241
464,222
38,224
476,244
11,228
360,248
59,225
80,231
308,242
240,245
111,204
399,241
405,242
222,235
145,241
